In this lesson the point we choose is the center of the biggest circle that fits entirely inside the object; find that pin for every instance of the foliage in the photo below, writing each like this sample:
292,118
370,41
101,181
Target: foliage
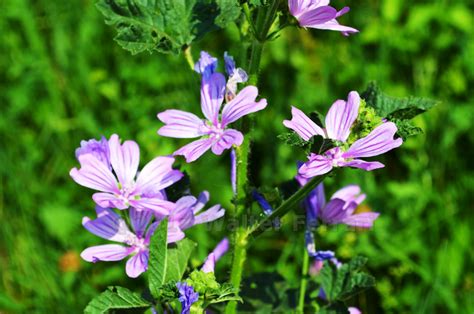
116,298
165,25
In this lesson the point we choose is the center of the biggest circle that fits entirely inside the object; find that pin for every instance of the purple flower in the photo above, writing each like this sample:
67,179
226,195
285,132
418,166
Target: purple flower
213,131
100,149
187,212
354,310
122,187
211,260
206,65
340,208
110,226
339,120
266,207
236,75
187,297
318,14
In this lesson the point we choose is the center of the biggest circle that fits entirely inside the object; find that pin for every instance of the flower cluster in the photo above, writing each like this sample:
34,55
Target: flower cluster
111,168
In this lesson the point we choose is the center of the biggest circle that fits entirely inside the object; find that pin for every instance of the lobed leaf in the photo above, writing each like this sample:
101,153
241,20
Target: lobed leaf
400,108
116,298
165,26
343,282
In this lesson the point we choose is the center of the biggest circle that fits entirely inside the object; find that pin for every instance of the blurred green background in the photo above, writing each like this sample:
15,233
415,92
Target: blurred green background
64,79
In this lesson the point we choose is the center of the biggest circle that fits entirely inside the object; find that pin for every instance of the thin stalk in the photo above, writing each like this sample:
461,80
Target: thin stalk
188,56
304,281
287,205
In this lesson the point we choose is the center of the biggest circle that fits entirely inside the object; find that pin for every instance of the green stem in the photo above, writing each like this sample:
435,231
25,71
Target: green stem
238,260
189,57
265,18
287,205
304,282
242,154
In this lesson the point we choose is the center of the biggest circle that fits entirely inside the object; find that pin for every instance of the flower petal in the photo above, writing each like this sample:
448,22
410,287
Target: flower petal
243,104
228,138
206,65
210,264
213,213
347,193
124,159
180,124
140,220
333,25
108,225
362,220
317,16
106,252
175,234
183,212
379,141
202,200
194,150
302,125
108,200
137,264
159,207
212,96
157,175
333,212
361,164
314,203
94,174
221,248
341,116
315,166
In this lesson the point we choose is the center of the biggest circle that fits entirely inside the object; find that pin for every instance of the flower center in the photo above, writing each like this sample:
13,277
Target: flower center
214,131
137,242
335,154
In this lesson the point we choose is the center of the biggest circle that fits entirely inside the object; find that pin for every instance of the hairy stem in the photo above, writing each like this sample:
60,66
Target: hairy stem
265,17
304,281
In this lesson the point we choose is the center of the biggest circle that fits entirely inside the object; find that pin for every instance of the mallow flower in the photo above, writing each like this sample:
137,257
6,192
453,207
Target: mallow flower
188,212
213,131
340,208
110,226
339,120
211,260
117,180
318,14
187,296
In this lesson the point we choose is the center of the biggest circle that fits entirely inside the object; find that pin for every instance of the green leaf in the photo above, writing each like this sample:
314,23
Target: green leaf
178,257
165,25
226,292
116,298
158,258
406,129
341,283
393,107
293,139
